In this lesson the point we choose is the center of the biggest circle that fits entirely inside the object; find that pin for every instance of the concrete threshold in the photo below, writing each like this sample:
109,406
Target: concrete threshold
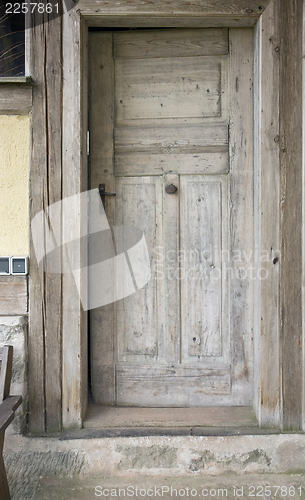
109,417
87,433
110,422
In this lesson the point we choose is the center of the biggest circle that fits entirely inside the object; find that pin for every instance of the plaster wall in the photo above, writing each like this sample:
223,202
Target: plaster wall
14,185
14,217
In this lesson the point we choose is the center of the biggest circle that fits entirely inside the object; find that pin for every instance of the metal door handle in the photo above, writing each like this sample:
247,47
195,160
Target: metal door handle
101,189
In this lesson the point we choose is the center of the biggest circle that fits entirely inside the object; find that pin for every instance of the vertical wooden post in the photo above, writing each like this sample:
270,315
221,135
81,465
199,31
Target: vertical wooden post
241,211
291,26
58,169
267,218
45,289
74,180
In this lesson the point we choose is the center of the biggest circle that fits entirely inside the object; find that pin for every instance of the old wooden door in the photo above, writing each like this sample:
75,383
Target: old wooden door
174,107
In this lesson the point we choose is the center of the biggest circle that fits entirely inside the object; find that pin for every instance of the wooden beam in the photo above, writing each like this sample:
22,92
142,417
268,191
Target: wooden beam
15,98
159,8
45,291
74,180
291,30
267,217
241,212
167,21
56,317
13,295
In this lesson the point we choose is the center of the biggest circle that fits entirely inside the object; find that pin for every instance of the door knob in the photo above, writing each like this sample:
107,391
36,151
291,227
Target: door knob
170,189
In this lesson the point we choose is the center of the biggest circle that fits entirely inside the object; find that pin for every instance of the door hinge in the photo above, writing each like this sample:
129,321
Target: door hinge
88,142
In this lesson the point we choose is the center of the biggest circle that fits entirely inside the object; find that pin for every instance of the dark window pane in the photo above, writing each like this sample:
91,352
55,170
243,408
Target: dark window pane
12,42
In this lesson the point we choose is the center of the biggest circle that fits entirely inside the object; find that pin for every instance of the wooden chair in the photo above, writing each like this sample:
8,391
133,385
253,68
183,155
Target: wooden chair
8,405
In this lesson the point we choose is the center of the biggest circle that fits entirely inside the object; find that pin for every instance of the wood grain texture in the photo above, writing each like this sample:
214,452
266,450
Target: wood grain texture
101,123
204,299
241,213
146,44
170,385
166,21
183,87
291,16
158,164
13,295
15,99
169,139
213,8
139,204
45,188
74,319
139,152
84,127
170,270
267,210
11,403
102,417
53,283
290,39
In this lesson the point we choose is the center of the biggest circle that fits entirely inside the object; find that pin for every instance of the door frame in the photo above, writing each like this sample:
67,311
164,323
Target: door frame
58,398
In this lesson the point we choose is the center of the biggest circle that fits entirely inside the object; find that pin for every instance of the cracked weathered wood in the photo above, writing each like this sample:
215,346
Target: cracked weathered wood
13,295
45,289
15,98
159,8
154,137
241,213
267,235
291,30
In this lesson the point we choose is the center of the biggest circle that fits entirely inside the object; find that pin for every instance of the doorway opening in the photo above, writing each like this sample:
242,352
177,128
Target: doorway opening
171,133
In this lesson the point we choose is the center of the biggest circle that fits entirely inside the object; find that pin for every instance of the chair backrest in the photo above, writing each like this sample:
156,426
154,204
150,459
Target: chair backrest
6,358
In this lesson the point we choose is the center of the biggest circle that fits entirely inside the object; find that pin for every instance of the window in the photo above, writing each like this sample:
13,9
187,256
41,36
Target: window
12,43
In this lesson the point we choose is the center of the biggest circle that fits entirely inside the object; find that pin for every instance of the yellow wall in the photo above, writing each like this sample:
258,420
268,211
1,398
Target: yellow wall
14,185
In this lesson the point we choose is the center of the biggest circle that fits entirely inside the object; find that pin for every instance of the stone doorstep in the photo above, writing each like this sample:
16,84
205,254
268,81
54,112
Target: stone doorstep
74,467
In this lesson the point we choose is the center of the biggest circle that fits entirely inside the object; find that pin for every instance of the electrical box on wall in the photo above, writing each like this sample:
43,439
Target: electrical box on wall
19,265
5,265
13,265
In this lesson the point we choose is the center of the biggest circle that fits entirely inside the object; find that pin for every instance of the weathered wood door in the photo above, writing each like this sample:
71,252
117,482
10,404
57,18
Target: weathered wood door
175,107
